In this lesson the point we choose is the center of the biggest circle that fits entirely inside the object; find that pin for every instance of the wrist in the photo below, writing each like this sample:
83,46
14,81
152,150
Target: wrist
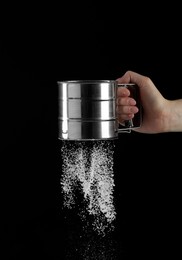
174,116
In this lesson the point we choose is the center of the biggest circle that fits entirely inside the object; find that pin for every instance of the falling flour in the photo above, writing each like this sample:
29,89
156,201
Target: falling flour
88,168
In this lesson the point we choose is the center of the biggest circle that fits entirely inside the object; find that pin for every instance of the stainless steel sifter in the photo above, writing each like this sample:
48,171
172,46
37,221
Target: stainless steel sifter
87,110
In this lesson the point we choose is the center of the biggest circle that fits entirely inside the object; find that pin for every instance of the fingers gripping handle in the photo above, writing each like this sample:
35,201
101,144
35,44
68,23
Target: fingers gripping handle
128,125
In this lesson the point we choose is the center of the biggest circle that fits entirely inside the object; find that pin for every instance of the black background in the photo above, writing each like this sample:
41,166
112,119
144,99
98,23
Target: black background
39,47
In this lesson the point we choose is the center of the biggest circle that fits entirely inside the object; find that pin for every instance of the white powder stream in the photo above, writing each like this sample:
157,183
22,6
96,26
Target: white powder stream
89,169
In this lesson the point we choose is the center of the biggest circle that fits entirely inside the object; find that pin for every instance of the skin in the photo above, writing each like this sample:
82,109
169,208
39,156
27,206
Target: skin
159,114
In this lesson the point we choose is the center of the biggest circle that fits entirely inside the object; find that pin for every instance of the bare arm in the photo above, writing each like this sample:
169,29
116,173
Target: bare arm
159,114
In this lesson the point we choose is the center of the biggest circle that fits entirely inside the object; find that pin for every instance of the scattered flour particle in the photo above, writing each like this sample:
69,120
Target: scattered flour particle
88,167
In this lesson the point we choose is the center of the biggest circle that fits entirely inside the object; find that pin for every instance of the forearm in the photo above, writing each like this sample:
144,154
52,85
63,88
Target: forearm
175,116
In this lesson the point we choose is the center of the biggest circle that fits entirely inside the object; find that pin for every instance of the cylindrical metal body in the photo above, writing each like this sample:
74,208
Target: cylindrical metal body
87,110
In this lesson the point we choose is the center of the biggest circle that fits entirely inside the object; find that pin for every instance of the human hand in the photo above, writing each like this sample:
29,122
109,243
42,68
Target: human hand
153,103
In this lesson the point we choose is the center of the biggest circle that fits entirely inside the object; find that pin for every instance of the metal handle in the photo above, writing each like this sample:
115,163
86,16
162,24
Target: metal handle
128,125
